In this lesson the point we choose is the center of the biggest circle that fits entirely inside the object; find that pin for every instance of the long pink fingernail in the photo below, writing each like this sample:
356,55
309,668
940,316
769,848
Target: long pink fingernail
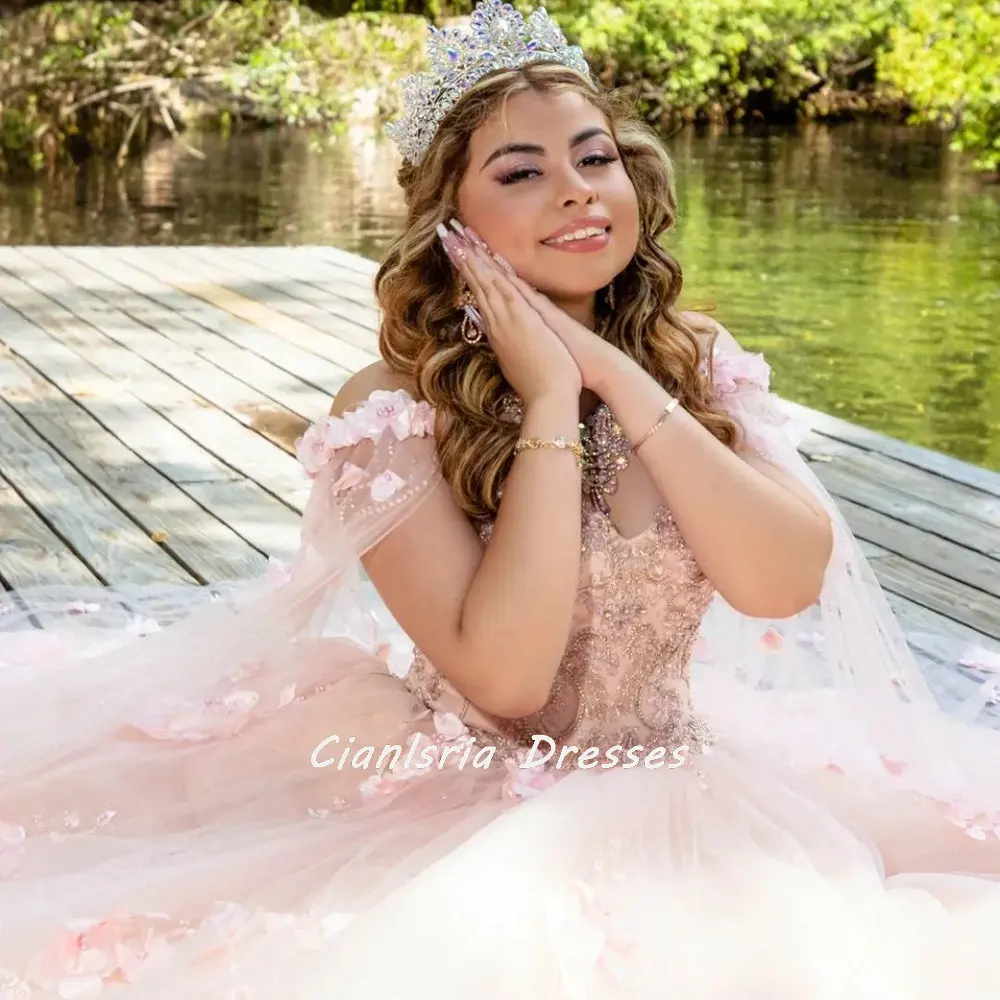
448,242
476,238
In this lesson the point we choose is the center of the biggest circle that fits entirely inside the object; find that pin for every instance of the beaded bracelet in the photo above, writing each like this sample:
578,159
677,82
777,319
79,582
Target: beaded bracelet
667,410
534,444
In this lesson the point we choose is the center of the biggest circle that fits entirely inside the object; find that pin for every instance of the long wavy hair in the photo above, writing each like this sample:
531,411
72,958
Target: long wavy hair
418,291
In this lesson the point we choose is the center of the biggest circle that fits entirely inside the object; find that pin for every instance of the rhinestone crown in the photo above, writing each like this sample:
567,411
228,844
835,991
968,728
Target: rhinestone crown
499,38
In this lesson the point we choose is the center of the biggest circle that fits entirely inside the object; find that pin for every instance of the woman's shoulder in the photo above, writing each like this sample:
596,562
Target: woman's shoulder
365,383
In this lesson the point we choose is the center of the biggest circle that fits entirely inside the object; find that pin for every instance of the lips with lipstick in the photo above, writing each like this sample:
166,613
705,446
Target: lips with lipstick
581,235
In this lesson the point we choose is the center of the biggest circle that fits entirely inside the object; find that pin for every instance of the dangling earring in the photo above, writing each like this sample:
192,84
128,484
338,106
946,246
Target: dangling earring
611,295
472,323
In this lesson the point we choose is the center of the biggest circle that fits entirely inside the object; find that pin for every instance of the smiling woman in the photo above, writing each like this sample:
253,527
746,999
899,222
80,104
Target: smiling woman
586,514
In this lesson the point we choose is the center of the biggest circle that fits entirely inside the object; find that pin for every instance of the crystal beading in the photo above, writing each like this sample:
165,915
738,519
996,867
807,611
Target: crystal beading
499,38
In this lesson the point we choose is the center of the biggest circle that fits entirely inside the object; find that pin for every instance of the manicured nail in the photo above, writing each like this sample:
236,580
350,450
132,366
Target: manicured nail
476,238
457,226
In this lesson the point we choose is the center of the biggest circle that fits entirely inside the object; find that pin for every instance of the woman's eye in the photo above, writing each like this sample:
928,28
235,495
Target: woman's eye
523,173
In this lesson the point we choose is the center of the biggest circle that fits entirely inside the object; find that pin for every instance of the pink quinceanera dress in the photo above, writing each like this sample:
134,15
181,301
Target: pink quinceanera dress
188,808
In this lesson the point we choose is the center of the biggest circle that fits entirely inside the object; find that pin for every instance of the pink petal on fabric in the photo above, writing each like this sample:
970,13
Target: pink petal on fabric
351,475
386,485
894,767
772,639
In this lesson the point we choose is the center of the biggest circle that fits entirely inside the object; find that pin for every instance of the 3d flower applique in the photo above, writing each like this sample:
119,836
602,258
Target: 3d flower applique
523,781
386,485
351,475
732,371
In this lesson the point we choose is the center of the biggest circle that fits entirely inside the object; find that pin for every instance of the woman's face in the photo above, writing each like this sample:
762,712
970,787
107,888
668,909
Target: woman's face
549,170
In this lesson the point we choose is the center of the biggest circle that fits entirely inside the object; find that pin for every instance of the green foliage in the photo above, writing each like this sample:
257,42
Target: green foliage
945,60
712,58
105,75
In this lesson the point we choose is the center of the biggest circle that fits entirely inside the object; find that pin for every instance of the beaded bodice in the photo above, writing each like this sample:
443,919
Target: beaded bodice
624,677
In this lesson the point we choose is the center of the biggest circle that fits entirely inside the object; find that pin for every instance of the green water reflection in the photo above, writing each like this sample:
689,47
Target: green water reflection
862,260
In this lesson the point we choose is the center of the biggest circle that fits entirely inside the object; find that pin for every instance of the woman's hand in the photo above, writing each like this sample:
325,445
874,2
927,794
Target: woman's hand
532,357
592,354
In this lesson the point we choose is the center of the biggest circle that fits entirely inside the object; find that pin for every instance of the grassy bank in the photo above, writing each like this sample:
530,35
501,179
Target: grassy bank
102,77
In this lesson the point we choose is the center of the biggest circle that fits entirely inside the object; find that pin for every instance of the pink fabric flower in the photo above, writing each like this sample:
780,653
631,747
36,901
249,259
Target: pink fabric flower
351,475
731,371
386,485
526,782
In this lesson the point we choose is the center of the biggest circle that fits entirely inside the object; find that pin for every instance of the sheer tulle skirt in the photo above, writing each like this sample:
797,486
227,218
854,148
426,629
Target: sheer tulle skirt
200,852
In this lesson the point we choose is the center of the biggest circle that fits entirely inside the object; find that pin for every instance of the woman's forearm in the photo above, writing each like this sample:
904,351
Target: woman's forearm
762,544
518,610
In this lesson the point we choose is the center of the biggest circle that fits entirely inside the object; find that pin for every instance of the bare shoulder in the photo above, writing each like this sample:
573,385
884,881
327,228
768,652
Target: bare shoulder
712,336
363,383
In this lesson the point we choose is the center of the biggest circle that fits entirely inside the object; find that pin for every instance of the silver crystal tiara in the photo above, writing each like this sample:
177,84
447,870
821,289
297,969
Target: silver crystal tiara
498,38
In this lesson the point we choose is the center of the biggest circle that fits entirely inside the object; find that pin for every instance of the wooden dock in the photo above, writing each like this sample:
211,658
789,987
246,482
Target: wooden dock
129,383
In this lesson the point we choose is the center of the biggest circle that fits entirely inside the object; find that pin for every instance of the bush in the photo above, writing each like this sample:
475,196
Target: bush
944,59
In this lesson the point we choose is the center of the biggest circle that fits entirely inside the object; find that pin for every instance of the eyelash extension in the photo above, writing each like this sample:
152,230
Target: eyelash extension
595,159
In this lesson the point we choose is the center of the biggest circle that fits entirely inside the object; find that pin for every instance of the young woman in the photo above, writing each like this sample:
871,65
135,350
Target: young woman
659,735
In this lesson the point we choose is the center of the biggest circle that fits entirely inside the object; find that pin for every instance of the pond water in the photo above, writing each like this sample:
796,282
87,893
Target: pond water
863,259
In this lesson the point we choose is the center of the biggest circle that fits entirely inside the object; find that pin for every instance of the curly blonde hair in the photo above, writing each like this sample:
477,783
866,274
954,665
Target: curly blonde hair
417,289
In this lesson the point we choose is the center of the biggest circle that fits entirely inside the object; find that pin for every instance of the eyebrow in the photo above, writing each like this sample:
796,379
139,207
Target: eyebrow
523,147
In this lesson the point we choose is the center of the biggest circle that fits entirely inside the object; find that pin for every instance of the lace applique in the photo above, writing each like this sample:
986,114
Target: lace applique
382,412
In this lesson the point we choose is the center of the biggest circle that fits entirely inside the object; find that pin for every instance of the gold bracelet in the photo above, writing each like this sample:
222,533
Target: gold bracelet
534,444
667,410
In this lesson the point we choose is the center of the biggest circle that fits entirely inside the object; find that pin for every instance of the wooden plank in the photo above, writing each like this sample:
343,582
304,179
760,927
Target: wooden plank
109,543
288,392
270,527
99,339
207,288
917,619
907,479
922,458
938,592
139,427
322,278
31,553
199,541
307,367
926,550
191,369
270,295
293,292
845,484
346,259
